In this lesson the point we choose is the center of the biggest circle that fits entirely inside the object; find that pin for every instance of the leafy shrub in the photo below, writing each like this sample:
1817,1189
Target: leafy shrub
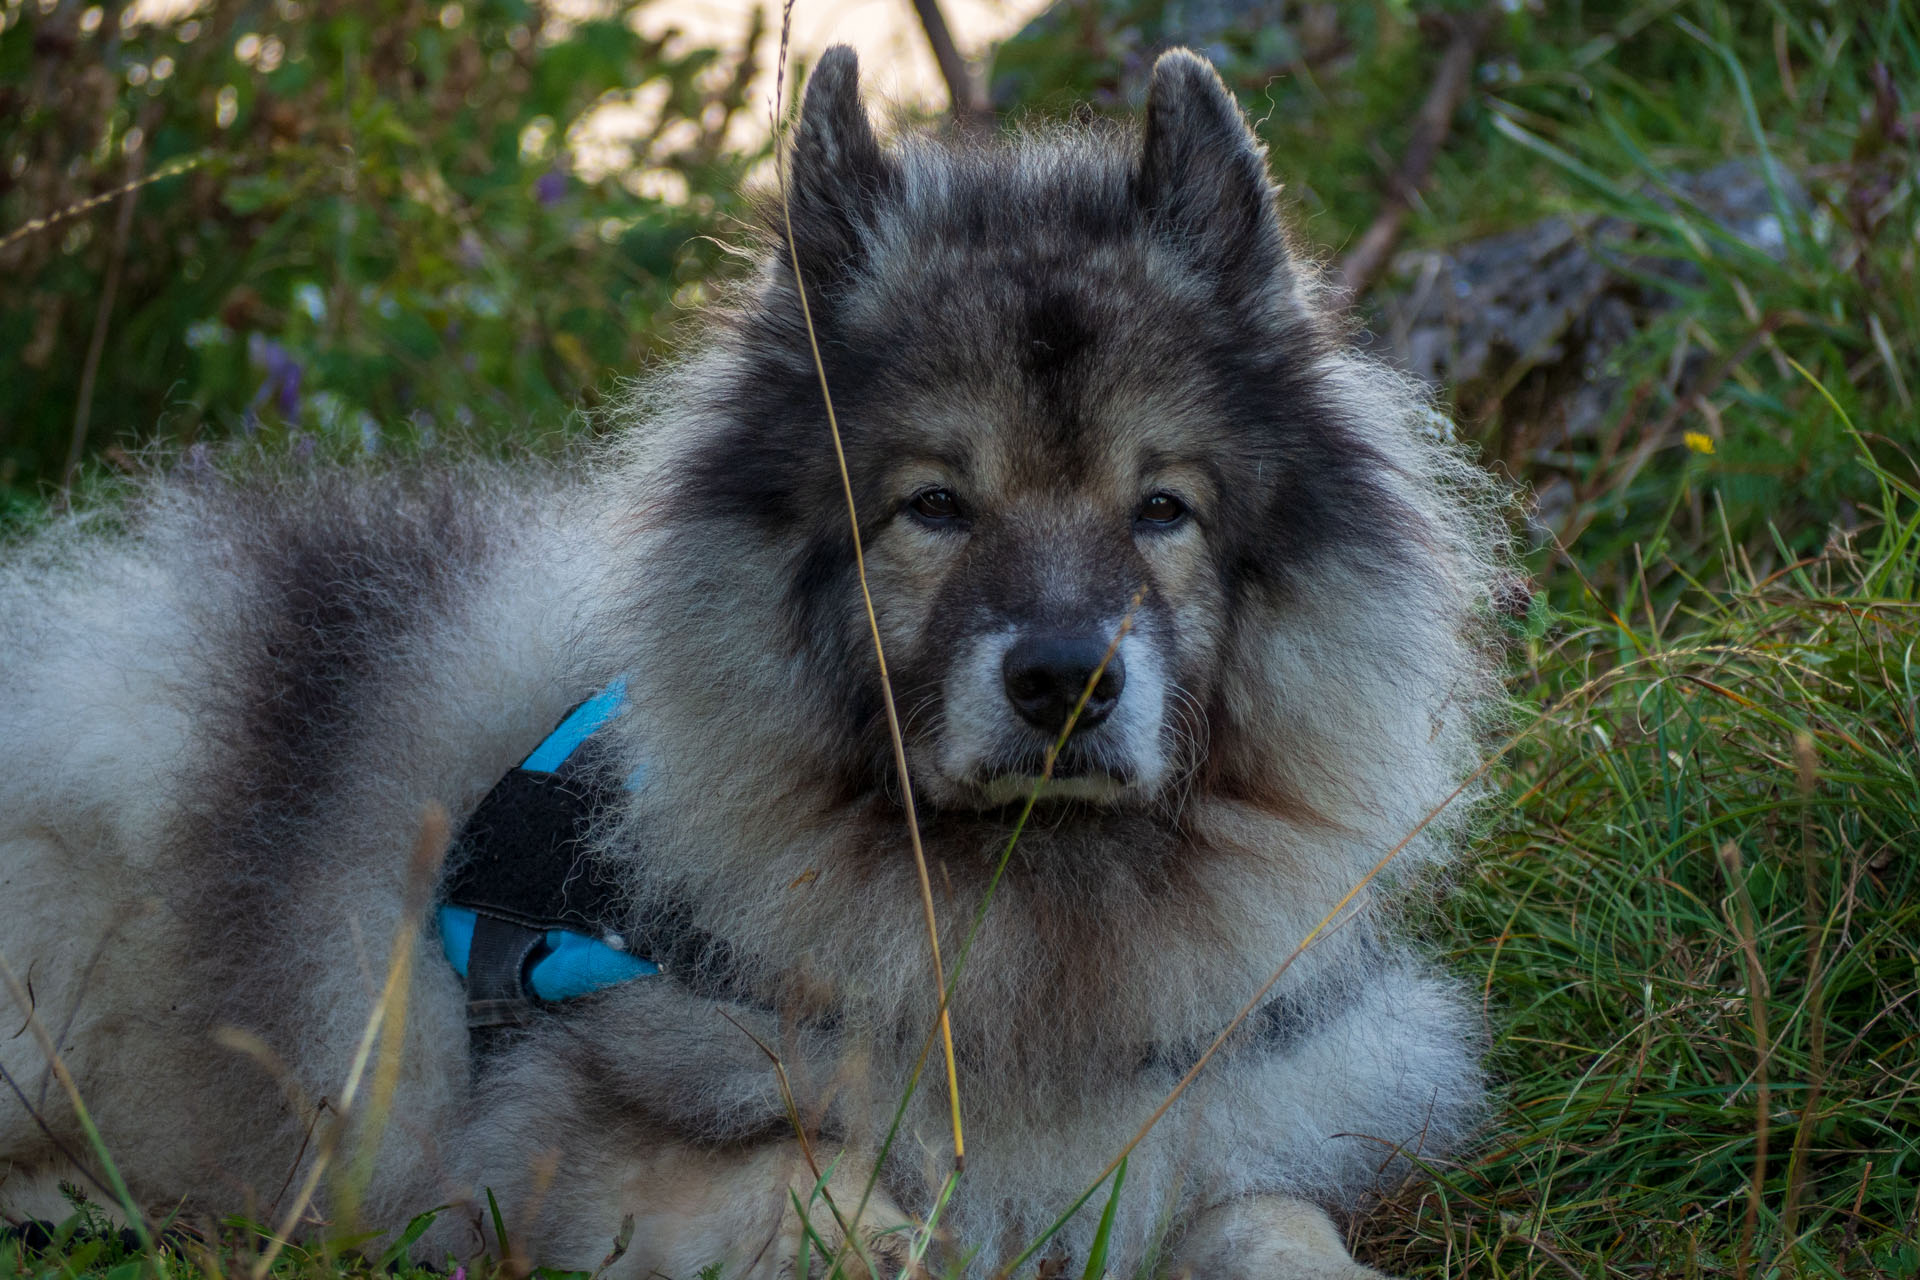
370,225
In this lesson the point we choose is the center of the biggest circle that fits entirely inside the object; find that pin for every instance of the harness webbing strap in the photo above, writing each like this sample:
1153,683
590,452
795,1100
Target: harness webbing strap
526,916
498,961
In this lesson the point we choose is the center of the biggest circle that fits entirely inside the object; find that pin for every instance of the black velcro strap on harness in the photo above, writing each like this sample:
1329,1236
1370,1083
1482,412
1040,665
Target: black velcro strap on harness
497,964
523,854
522,866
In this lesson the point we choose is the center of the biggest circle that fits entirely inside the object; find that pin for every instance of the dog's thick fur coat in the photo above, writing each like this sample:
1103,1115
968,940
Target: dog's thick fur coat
1068,367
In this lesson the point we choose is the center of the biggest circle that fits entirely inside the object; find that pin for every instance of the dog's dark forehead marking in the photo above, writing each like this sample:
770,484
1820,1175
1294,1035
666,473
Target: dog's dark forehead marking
1055,334
1047,355
1053,338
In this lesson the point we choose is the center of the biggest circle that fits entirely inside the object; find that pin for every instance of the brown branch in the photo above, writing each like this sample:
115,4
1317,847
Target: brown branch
968,103
1369,256
96,346
66,1152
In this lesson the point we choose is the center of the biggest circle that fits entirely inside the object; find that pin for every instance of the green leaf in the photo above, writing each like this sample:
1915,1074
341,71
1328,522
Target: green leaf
1096,1267
499,1226
416,1228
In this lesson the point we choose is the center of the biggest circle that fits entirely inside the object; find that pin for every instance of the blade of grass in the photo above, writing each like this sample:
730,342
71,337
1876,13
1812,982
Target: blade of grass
1743,916
1096,1268
1814,917
923,1239
396,1253
809,1234
1769,165
499,1226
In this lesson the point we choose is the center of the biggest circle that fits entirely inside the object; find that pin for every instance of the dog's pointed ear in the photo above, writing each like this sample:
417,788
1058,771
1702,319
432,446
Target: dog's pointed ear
834,143
1202,177
838,172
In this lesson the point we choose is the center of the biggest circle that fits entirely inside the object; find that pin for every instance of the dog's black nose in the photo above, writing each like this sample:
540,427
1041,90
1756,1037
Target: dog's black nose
1045,675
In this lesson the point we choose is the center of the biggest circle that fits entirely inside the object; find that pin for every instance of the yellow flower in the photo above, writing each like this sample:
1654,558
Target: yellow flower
1699,442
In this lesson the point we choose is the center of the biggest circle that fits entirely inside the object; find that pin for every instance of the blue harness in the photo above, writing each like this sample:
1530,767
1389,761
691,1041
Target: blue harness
525,920
572,964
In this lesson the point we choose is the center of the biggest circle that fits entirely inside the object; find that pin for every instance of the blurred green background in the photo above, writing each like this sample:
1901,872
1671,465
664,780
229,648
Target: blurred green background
381,235
388,226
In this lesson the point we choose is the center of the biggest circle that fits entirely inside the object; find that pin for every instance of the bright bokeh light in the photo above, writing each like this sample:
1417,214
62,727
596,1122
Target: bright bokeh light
896,63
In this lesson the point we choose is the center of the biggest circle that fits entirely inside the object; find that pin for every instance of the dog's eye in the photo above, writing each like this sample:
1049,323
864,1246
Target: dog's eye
936,506
1162,509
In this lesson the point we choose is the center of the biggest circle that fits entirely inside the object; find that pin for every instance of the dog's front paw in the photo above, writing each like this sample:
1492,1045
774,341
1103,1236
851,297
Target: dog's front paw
1266,1238
883,1235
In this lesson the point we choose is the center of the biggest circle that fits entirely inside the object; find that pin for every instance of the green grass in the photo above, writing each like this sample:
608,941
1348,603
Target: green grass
1718,790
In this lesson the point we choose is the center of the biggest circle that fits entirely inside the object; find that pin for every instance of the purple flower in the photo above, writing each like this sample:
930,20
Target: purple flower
282,383
550,187
287,392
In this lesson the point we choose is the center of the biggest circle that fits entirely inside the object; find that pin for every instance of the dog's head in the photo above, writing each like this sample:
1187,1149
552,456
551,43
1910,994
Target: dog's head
1104,448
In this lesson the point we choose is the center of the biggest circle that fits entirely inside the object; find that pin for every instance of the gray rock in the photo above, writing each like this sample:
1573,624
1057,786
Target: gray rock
1545,308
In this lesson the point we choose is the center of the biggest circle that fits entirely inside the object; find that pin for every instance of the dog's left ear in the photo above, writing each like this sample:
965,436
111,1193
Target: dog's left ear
1202,178
838,173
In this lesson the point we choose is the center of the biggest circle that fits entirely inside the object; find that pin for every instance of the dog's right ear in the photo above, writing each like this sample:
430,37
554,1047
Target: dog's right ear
837,172
1202,173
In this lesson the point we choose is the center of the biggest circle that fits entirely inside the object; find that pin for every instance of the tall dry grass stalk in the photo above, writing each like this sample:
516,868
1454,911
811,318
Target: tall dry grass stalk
873,623
386,1027
123,1197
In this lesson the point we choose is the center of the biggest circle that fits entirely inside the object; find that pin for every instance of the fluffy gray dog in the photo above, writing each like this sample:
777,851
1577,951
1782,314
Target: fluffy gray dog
1087,391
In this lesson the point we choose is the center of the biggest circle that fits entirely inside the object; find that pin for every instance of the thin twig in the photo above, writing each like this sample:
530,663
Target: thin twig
963,94
102,315
172,169
1450,83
